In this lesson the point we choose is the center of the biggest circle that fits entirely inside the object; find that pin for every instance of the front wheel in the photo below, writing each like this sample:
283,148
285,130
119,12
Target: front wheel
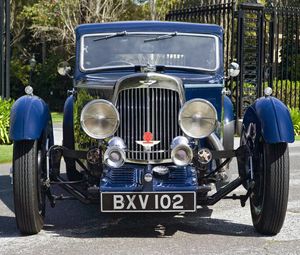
269,199
29,198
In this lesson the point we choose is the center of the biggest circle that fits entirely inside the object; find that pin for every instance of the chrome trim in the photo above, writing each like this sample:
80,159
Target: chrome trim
228,135
181,142
87,106
145,106
215,142
114,164
117,141
199,100
155,192
133,81
145,162
239,126
217,145
81,67
115,144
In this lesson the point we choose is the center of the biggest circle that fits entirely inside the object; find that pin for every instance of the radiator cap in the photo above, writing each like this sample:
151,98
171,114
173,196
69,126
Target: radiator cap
161,170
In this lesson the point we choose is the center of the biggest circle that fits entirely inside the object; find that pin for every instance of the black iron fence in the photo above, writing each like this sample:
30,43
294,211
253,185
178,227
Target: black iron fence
263,39
5,48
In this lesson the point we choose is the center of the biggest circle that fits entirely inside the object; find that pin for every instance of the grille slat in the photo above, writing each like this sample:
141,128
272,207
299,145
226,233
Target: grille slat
148,109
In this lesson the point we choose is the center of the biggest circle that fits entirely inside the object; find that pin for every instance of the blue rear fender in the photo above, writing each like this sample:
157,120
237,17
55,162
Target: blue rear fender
30,116
272,118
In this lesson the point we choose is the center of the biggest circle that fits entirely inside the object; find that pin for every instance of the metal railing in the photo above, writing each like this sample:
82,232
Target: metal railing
5,48
263,39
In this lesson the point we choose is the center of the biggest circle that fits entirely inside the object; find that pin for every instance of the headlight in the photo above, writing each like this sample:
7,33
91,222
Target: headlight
198,118
99,119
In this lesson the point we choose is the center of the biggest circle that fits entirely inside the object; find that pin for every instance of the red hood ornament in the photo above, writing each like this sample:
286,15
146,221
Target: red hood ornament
148,137
148,141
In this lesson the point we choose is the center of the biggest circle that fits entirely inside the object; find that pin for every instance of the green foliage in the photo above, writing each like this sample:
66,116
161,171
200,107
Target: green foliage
57,117
49,85
287,91
46,29
6,153
81,138
5,107
295,115
20,71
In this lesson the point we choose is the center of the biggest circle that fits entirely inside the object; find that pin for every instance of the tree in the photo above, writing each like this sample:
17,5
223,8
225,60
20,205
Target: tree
46,28
56,20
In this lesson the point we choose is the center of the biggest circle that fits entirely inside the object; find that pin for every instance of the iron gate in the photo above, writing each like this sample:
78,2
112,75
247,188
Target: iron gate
5,48
263,39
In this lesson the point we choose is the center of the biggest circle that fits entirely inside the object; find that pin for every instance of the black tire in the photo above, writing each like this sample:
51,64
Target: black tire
270,195
29,199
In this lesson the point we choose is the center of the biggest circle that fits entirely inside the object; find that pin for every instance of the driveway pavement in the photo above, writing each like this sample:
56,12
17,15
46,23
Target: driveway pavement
226,228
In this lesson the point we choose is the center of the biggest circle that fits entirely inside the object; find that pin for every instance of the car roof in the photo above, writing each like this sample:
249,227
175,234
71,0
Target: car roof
148,26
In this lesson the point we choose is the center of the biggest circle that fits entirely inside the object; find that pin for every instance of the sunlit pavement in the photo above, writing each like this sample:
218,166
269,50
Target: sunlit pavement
226,228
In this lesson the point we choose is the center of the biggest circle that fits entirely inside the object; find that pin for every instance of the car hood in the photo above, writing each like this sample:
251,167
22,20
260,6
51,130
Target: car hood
110,79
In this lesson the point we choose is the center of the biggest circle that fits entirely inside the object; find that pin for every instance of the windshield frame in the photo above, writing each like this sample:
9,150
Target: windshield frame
105,68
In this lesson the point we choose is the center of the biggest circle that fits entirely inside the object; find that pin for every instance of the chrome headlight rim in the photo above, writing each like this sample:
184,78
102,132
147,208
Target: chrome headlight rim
181,143
186,132
85,129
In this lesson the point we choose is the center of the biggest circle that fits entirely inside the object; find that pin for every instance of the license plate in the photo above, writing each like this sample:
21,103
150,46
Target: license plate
148,202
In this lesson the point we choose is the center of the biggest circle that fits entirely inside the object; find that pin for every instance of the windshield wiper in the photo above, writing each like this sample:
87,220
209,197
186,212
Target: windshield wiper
161,37
123,33
184,68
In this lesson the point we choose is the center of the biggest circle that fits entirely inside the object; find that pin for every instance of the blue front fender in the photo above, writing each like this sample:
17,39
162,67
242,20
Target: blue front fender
272,119
29,117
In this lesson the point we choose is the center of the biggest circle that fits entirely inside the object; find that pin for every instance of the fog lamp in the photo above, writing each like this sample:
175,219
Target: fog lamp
181,154
115,156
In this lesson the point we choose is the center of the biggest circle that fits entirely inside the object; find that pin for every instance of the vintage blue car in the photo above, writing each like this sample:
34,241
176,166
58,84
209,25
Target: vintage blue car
148,127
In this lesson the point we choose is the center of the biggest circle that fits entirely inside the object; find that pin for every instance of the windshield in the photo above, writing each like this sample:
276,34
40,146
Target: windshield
102,51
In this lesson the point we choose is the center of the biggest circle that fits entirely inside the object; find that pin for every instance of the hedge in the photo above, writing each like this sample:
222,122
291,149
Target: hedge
5,107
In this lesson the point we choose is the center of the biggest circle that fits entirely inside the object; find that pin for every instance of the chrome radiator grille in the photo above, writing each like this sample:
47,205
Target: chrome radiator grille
148,109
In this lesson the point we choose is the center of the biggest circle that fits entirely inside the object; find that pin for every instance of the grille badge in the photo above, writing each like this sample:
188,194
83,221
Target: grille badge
148,142
148,83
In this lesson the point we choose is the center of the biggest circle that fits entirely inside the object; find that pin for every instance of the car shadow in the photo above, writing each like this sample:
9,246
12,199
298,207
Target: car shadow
72,219
8,226
150,225
6,192
88,222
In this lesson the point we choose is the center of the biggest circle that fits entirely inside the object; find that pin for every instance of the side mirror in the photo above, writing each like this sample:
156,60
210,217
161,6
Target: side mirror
234,69
64,68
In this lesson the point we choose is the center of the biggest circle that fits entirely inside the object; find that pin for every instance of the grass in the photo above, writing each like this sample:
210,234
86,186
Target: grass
6,153
297,138
57,117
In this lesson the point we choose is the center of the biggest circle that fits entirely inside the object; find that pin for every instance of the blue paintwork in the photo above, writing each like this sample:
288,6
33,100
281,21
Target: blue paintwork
29,117
197,85
68,123
147,26
179,179
212,94
272,119
228,110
